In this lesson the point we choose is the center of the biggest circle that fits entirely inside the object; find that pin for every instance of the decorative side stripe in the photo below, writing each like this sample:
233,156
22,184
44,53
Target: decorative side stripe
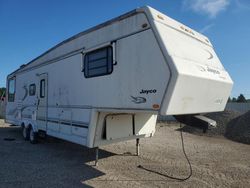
74,123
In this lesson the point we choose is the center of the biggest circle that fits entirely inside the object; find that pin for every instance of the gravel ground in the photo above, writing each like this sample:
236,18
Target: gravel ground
216,162
231,124
222,119
239,129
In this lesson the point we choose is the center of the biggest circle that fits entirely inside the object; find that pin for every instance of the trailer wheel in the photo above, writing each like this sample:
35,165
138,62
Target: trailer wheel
25,132
32,136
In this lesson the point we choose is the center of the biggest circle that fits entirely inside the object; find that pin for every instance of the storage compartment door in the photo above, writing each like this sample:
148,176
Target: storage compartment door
119,126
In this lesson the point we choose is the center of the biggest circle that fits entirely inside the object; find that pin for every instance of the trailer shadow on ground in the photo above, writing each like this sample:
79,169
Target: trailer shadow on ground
50,163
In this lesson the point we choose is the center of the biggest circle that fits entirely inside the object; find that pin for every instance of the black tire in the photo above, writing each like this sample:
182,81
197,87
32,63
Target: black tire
42,134
25,133
33,136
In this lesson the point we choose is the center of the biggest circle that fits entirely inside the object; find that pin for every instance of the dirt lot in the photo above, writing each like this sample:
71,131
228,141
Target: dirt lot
216,162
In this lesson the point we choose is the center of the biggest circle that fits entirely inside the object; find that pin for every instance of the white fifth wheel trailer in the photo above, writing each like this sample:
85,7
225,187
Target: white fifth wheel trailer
109,83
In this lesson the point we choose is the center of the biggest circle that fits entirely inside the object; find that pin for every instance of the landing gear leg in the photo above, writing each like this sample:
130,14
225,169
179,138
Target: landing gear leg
96,156
137,146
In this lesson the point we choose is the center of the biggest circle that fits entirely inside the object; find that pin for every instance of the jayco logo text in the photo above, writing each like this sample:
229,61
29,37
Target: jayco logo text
148,91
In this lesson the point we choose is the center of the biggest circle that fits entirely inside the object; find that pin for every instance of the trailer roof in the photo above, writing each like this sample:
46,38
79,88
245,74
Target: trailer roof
147,10
121,17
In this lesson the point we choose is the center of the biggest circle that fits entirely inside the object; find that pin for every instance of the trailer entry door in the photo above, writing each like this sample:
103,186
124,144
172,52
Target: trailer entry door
42,109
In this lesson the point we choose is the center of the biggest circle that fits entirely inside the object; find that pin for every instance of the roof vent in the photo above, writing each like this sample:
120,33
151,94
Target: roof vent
22,66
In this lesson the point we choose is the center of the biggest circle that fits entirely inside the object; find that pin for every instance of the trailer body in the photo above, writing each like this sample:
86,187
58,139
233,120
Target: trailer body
109,83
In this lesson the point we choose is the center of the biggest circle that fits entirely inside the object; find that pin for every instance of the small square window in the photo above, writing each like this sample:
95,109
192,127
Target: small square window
32,89
98,62
11,89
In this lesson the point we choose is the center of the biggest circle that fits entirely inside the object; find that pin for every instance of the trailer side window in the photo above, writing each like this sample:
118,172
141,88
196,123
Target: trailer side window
11,89
42,88
98,62
32,89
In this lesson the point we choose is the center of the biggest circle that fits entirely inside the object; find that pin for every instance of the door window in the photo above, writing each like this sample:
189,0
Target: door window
42,88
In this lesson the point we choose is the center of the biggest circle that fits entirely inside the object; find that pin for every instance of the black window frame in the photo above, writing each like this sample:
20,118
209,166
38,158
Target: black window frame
109,62
42,88
11,96
30,89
